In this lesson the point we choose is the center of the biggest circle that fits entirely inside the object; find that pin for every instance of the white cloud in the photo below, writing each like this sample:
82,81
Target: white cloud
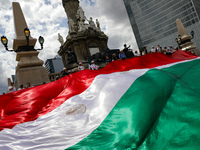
48,19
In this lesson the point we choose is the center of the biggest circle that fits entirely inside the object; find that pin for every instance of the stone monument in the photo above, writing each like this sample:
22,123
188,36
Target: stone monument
84,38
185,39
30,67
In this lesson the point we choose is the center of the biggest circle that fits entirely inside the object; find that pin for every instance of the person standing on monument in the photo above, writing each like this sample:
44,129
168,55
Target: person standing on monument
81,67
28,85
20,87
158,49
122,55
108,60
11,88
136,53
153,50
64,72
93,66
144,51
114,57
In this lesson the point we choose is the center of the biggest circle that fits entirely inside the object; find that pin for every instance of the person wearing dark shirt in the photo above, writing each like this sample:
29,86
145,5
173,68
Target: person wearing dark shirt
114,57
64,72
145,50
108,60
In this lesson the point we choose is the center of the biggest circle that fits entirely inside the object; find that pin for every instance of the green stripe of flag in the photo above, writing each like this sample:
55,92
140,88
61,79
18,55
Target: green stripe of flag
178,127
134,121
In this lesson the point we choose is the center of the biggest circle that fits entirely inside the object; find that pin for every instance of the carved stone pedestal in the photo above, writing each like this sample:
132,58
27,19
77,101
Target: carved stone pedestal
30,69
84,44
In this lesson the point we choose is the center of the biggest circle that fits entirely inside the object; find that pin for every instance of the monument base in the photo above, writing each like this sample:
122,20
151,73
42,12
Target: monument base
190,47
34,75
30,69
84,44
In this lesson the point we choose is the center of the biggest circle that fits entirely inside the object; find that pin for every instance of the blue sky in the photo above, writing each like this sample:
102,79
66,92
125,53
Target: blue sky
48,18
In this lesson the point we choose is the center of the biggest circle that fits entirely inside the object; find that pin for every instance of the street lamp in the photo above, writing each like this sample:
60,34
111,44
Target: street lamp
27,34
4,41
41,41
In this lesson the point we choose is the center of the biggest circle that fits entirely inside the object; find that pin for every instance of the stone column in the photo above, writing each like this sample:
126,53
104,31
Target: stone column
20,25
71,7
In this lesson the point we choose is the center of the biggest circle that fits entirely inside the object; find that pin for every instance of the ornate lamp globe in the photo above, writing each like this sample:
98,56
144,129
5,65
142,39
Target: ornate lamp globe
26,32
41,40
4,40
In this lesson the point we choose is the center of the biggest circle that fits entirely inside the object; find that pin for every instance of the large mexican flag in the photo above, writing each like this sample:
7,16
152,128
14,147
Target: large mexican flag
149,102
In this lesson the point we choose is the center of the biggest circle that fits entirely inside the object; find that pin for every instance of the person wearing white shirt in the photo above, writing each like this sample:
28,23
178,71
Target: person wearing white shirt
20,87
93,66
29,85
136,53
159,49
153,50
81,67
11,88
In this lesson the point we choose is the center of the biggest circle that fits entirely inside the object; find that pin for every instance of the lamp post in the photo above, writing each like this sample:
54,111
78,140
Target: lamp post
4,41
41,41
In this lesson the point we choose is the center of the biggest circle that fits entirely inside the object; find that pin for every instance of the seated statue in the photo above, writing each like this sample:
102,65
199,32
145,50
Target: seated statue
71,57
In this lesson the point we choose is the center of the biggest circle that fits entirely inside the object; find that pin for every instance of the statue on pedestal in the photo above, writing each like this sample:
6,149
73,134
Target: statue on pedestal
98,24
60,39
91,23
71,57
82,26
85,37
80,14
71,25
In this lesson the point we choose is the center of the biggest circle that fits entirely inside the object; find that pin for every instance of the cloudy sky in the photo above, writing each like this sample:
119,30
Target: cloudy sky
48,18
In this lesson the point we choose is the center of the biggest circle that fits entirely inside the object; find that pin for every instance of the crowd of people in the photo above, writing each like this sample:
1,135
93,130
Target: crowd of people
93,66
166,50
122,56
12,88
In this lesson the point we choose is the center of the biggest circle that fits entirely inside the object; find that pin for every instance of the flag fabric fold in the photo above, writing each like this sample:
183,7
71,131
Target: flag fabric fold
139,108
115,107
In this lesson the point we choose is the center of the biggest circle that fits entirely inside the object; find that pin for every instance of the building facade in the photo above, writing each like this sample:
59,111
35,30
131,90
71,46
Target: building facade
54,65
154,21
